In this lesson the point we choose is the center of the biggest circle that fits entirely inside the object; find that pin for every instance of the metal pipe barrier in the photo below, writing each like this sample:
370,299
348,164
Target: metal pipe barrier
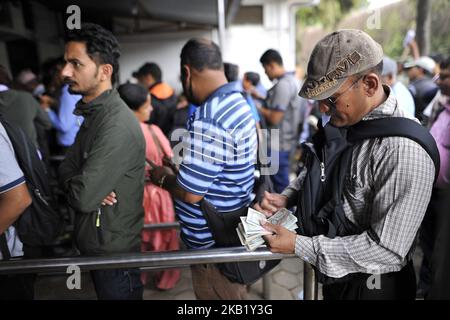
161,260
160,226
156,260
310,285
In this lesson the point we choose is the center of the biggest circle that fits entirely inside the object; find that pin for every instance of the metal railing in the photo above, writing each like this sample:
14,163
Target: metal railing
155,261
149,260
166,225
160,260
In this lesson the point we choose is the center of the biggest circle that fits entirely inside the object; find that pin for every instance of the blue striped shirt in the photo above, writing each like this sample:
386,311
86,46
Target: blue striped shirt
218,162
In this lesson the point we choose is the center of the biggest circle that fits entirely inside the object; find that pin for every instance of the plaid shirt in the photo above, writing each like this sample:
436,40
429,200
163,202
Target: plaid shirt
386,193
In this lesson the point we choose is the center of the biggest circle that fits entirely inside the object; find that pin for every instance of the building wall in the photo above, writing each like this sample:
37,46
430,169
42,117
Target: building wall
47,32
163,49
45,35
246,43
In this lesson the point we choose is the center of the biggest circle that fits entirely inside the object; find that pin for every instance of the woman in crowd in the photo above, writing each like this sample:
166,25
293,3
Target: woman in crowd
157,204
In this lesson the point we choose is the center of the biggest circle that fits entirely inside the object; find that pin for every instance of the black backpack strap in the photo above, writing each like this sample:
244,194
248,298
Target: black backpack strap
4,247
400,127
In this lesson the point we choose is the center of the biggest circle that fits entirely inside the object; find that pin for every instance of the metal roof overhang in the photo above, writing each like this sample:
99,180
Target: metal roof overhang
136,16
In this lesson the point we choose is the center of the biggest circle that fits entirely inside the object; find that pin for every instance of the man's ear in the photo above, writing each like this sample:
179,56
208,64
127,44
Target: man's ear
185,72
371,83
107,71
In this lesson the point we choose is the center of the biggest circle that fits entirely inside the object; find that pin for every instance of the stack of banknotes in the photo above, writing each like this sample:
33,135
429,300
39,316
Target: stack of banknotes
250,230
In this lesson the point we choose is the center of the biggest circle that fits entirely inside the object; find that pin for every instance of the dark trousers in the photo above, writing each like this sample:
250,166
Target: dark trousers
17,287
399,285
437,209
281,178
118,284
440,261
20,286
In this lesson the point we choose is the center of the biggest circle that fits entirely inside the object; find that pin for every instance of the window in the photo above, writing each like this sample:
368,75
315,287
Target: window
249,15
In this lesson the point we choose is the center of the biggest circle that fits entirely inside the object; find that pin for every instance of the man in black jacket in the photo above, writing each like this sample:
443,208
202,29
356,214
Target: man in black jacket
103,172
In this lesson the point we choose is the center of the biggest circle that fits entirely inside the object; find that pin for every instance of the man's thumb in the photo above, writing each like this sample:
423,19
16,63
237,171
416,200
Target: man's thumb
271,227
268,195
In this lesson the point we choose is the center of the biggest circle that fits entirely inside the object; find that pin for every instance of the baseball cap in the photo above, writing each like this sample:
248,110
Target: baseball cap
389,66
423,62
336,57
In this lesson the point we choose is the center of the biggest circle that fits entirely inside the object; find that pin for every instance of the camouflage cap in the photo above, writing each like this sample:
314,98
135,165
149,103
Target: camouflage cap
337,56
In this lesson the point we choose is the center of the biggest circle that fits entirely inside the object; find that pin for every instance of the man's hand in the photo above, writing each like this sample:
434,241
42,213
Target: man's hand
271,203
281,241
110,199
167,162
46,101
157,174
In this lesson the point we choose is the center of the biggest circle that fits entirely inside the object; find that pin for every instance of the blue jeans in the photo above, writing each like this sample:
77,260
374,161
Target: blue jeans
281,178
118,284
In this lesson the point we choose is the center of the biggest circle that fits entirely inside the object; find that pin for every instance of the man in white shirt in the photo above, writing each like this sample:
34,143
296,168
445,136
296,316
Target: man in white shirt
404,97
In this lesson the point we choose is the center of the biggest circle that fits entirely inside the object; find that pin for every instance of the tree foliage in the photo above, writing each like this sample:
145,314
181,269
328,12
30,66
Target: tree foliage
328,13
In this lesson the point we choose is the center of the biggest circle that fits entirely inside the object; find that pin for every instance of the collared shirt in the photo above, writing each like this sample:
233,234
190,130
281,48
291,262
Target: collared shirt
283,96
386,192
404,98
218,162
440,130
65,121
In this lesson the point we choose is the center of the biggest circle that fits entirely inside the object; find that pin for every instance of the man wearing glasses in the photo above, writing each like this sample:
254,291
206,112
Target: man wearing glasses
387,187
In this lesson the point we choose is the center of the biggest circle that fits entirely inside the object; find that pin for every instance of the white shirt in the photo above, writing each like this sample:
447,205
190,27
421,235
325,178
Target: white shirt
11,176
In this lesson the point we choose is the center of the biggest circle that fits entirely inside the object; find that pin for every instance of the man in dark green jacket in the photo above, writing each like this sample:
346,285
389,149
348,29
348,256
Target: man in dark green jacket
21,109
103,172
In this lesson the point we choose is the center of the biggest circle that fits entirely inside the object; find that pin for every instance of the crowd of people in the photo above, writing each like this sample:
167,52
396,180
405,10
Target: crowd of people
120,169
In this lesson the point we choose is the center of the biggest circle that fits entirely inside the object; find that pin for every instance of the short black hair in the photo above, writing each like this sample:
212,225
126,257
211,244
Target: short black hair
101,45
270,56
231,71
149,68
445,63
201,53
378,70
134,95
253,77
5,79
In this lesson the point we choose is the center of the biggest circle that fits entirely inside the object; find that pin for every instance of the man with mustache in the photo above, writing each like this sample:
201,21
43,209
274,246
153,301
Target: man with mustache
103,172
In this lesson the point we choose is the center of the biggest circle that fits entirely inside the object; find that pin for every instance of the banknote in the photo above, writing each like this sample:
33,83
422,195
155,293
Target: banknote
250,229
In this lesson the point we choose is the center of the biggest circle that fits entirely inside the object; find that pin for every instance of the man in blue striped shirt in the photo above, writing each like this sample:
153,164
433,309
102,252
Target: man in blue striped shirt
218,159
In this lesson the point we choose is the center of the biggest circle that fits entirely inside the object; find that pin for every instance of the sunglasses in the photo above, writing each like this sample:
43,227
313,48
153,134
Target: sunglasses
331,101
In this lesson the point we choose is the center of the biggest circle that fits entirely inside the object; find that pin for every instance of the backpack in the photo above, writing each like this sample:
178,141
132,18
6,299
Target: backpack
320,204
40,223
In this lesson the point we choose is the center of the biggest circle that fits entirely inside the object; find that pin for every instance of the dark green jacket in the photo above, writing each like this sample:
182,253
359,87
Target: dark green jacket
108,155
21,109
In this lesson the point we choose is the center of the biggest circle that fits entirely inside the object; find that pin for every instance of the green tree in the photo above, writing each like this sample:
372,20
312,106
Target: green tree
328,13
